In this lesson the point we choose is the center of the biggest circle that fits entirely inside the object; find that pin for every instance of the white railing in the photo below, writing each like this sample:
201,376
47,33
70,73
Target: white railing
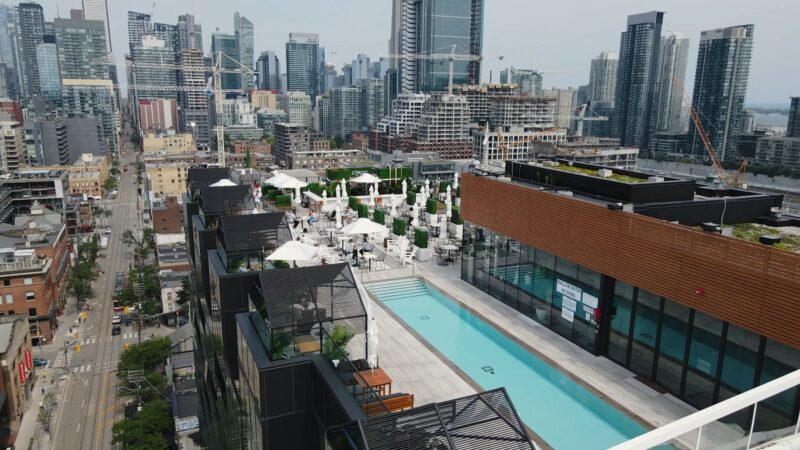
702,429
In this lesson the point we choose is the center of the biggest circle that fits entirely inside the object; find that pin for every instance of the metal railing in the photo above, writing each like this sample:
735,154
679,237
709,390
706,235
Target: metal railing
715,426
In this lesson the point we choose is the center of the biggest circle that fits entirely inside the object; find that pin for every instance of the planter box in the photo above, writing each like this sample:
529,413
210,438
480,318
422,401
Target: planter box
431,218
423,254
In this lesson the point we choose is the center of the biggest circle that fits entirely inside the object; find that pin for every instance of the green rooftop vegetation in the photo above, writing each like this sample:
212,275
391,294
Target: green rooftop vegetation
594,173
752,231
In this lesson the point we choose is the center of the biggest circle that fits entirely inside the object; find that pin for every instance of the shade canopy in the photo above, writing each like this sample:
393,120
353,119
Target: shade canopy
277,178
294,251
366,178
223,182
290,183
363,226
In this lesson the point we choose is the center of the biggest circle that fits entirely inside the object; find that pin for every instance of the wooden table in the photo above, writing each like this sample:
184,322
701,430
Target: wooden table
377,379
307,344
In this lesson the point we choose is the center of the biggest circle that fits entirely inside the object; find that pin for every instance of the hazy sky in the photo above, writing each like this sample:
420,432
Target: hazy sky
558,36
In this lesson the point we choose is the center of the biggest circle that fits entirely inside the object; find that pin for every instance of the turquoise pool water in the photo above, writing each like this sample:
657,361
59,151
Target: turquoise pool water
560,411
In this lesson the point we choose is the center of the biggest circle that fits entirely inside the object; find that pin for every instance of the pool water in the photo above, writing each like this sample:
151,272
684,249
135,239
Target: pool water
560,411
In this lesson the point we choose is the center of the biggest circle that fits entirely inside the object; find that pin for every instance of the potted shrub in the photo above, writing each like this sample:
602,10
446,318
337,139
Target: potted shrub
363,210
334,348
379,216
352,202
432,208
283,201
411,198
421,243
399,226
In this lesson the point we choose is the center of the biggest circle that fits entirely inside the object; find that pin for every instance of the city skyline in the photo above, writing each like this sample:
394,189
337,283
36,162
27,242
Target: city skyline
564,51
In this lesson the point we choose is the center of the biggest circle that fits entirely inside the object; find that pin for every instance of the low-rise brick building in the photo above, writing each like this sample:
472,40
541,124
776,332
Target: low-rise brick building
167,215
18,376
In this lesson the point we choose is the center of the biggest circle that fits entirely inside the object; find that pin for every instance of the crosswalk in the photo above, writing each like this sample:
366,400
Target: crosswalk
62,360
100,339
82,369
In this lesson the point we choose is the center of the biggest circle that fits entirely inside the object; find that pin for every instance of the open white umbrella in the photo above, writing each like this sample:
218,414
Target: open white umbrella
276,179
294,251
290,183
364,226
223,182
365,178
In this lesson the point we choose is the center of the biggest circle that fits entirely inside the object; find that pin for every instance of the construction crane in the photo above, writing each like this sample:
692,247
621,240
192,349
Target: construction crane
215,89
451,57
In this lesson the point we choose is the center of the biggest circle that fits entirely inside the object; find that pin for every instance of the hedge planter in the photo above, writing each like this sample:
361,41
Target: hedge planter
423,254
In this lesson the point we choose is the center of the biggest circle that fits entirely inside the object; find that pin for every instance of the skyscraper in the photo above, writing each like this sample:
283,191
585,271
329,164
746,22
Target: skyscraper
564,106
793,127
269,71
98,10
603,77
138,25
668,96
636,78
49,73
82,49
323,81
28,33
344,111
439,27
297,106
372,102
155,82
6,18
190,34
94,99
720,85
228,46
302,63
193,101
243,29
167,33
361,68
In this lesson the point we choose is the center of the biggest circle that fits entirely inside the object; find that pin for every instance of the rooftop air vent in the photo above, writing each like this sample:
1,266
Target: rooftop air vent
710,227
769,239
605,173
655,179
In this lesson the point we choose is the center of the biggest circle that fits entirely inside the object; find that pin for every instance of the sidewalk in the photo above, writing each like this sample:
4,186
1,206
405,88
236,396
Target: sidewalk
47,377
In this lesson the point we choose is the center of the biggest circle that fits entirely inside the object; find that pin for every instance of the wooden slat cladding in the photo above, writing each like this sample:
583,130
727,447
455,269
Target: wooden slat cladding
750,285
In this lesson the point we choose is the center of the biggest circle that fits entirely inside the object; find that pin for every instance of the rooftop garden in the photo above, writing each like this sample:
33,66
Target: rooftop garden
790,241
594,173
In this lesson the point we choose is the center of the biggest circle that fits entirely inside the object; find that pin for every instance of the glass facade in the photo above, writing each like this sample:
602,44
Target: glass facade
688,353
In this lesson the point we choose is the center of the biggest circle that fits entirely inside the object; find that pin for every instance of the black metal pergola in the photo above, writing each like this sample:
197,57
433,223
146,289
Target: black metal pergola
487,420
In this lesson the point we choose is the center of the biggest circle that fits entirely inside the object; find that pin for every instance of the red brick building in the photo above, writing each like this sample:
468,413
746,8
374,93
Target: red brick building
242,147
167,216
14,109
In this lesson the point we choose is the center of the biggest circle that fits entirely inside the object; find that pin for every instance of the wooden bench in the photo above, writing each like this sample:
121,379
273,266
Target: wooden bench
394,403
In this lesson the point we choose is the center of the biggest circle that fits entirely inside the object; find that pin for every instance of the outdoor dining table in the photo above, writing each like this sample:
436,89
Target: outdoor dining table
449,248
369,256
376,379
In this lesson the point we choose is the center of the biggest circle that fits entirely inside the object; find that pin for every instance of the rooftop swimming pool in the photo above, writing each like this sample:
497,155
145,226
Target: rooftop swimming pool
563,413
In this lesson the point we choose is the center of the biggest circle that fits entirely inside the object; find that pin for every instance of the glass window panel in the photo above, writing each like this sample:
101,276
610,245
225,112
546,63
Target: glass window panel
703,355
497,268
543,276
512,272
564,309
779,360
620,322
739,361
672,346
645,329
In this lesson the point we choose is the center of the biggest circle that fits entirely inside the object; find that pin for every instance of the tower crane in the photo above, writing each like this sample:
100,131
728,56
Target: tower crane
451,57
214,89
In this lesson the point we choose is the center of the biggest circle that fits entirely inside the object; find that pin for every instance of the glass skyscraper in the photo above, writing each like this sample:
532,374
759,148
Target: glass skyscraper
190,34
82,50
228,45
720,85
668,96
269,71
243,30
138,25
27,33
49,73
302,63
98,10
440,25
636,78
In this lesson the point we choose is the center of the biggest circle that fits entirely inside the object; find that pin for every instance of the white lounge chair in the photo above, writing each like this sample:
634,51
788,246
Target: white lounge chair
408,257
397,245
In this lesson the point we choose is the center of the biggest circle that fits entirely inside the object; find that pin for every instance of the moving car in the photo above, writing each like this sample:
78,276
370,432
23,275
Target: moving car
116,330
116,318
39,362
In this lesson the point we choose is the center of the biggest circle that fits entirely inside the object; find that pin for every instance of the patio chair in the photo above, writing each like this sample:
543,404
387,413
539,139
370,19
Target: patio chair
397,245
381,259
408,257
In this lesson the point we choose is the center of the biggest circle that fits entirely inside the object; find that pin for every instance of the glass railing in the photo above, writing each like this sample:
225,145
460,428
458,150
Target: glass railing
764,414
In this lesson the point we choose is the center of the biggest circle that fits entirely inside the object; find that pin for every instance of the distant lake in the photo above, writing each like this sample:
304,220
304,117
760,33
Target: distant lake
772,120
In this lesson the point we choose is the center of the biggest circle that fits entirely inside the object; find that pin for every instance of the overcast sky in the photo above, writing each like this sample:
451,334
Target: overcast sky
557,36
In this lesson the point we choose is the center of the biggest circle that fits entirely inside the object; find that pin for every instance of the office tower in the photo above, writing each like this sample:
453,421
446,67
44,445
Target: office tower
243,29
192,99
94,99
47,58
344,111
389,90
322,65
6,19
297,106
636,78
720,85
268,69
564,106
793,127
360,68
395,35
12,144
98,10
82,49
347,75
5,91
431,27
668,95
529,82
372,102
167,33
138,26
27,33
321,119
225,46
190,34
154,81
302,63
603,77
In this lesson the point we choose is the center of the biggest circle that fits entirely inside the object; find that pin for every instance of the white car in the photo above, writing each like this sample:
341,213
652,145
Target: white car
116,318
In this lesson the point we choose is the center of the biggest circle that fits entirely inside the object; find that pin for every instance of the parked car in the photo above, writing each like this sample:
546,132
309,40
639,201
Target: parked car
115,319
115,330
39,362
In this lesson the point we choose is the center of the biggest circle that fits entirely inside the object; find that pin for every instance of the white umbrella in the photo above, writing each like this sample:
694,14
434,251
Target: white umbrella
365,178
223,182
338,191
448,203
405,187
364,226
394,205
290,183
338,214
297,198
372,333
415,216
344,187
455,180
371,197
427,185
324,198
376,188
278,178
294,251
